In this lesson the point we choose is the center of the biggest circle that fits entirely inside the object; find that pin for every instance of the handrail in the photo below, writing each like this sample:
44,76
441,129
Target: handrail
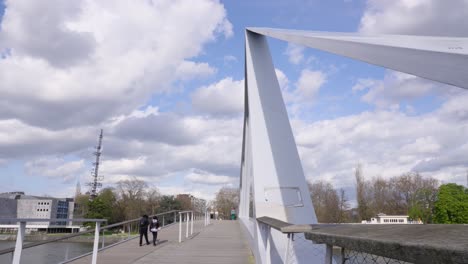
284,227
136,219
34,244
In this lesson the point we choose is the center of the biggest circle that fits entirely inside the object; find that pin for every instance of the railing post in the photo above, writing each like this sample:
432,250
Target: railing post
329,254
288,245
180,229
96,243
191,225
163,221
268,245
102,239
343,257
19,243
187,220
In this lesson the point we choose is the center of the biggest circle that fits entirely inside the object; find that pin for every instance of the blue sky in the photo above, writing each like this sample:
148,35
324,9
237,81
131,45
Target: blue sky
164,80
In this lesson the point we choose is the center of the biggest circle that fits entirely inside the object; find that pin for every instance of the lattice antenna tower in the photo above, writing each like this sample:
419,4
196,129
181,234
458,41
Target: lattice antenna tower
96,183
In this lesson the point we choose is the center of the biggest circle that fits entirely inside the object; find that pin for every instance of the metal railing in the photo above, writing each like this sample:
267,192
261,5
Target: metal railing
189,218
130,225
379,243
17,250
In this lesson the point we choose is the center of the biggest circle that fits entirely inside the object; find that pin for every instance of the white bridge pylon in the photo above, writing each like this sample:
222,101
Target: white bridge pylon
272,179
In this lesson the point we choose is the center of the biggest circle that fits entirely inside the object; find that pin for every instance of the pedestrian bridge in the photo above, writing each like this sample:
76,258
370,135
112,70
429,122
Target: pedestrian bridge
277,222
187,239
220,242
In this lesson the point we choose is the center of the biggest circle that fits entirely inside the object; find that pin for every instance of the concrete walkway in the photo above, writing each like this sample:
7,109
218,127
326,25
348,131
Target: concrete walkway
221,242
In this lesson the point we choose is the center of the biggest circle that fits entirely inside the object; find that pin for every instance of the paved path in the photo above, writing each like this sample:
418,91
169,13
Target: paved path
221,242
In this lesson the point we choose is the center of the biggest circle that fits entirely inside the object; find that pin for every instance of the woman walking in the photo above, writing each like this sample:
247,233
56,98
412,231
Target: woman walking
154,228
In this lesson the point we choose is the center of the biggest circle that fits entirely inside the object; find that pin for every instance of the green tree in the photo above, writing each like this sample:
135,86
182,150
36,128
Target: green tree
451,206
109,199
169,203
423,205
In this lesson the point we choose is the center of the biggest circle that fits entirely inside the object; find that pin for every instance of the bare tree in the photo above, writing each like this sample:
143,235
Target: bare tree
226,199
152,199
343,207
328,205
132,197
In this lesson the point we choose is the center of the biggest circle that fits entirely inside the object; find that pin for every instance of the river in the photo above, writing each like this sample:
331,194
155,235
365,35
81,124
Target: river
51,253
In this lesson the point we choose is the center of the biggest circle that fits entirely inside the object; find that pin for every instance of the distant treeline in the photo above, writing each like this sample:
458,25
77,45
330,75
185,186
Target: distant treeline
421,198
129,200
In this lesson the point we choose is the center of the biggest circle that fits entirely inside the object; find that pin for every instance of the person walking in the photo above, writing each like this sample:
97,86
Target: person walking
144,229
154,228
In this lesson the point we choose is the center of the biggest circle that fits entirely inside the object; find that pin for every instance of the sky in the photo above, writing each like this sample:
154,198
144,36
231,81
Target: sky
164,79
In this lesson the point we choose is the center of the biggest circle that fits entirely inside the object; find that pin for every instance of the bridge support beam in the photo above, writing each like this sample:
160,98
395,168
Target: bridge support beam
272,180
19,243
96,243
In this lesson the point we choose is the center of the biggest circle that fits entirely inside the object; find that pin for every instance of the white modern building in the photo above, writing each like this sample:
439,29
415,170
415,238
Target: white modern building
20,205
390,219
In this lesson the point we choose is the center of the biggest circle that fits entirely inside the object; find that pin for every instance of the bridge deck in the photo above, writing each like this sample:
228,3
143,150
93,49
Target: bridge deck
221,242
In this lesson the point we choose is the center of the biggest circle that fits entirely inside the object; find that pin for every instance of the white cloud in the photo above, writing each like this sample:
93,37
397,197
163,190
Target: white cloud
203,177
40,30
388,143
397,87
229,59
189,70
57,168
309,84
225,97
420,17
295,53
19,140
86,57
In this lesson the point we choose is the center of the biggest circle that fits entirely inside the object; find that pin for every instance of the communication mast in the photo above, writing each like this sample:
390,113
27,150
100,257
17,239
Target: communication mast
95,171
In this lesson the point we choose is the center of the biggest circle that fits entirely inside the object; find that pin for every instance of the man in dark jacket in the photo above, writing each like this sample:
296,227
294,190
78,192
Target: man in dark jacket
144,229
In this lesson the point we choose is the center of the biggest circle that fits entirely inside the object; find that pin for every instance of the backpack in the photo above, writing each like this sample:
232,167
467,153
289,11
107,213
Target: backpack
142,222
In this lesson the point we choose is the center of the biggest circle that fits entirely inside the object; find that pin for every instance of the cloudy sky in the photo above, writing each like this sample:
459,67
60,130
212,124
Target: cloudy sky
164,79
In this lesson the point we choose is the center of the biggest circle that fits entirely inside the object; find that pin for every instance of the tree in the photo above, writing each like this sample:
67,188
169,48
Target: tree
325,201
451,206
362,195
343,207
109,199
169,203
103,206
152,199
132,197
409,193
422,206
81,206
329,204
226,199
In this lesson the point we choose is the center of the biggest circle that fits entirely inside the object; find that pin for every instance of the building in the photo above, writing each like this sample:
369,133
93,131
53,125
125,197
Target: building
190,202
20,205
390,219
